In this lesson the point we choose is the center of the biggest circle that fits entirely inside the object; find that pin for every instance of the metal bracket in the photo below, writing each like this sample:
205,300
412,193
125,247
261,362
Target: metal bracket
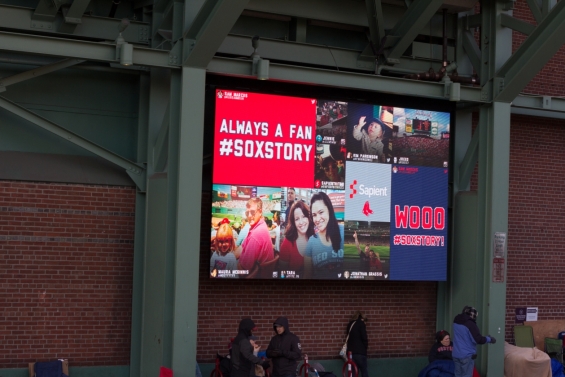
486,92
509,5
143,34
175,55
546,103
498,85
42,25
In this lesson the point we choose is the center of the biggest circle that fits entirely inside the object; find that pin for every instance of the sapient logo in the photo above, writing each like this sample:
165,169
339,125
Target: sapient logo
367,190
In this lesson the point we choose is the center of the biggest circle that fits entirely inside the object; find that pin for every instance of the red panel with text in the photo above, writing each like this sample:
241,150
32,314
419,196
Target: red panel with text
264,140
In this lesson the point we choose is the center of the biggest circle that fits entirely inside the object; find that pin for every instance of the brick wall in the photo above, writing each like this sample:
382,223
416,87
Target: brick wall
551,79
536,213
401,315
65,273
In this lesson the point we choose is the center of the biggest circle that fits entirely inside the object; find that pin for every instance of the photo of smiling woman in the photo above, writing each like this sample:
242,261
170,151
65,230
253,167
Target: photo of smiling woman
324,251
300,229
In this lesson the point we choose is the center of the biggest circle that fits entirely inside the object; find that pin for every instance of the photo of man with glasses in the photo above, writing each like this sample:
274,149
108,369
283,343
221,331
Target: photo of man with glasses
257,247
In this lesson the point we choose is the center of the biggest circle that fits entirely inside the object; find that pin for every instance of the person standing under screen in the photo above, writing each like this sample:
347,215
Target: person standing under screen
358,342
257,247
284,350
324,251
364,256
371,137
466,336
300,229
243,360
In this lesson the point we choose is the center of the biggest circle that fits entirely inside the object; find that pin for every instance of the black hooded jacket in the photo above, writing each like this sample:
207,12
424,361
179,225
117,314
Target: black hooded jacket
357,342
242,359
284,350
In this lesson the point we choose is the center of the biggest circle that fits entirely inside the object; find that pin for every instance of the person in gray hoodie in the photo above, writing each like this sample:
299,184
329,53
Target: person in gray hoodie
284,350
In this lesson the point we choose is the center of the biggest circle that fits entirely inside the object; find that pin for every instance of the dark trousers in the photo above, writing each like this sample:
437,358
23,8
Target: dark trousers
361,362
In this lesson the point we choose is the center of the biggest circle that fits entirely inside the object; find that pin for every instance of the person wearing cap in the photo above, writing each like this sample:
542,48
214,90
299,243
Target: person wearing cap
243,360
371,136
466,336
442,348
284,350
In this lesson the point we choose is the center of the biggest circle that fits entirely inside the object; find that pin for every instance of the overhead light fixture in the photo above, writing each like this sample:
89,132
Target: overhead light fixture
124,50
263,69
260,67
126,54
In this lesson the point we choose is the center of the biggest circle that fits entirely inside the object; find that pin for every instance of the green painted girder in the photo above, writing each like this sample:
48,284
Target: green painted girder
71,48
516,24
281,72
407,28
135,171
101,28
472,49
14,79
161,147
46,10
536,11
208,30
533,54
469,162
73,16
376,21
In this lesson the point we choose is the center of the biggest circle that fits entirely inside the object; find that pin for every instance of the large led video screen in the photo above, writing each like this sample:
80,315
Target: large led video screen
310,188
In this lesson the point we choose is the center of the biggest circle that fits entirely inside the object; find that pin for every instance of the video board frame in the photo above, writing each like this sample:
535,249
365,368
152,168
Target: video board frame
334,118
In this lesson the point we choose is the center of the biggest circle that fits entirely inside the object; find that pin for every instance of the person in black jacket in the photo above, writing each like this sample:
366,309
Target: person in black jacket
284,350
442,348
357,342
242,359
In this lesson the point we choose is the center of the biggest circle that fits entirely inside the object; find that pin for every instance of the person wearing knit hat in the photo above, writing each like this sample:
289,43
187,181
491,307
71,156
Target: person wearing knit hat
466,336
442,348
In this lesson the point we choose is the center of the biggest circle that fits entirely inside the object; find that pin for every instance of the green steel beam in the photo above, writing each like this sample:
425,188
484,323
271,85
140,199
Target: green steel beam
547,6
516,24
416,17
70,48
533,54
292,51
536,11
73,16
469,162
280,72
208,30
91,27
46,10
375,20
472,49
472,21
77,9
161,148
191,141
135,171
7,81
493,186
